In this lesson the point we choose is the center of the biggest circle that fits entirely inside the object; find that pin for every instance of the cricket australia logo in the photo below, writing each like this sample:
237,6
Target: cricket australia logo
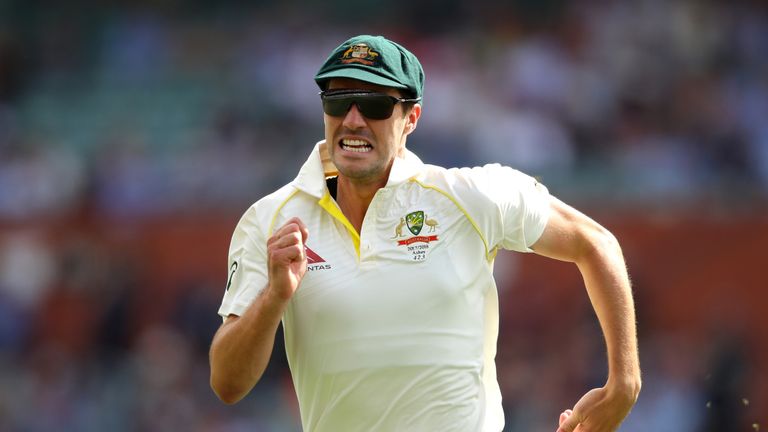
415,222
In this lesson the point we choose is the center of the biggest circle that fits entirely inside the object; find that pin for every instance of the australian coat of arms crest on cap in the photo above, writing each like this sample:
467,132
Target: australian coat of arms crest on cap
360,53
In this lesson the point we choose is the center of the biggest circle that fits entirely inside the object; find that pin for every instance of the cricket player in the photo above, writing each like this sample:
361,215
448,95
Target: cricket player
380,268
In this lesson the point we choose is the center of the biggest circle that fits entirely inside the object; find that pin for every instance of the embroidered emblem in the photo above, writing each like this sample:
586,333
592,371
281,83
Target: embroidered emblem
415,221
360,53
431,223
312,256
315,261
232,270
399,229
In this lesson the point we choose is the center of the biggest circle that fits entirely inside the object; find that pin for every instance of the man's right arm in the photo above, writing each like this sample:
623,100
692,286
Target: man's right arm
242,346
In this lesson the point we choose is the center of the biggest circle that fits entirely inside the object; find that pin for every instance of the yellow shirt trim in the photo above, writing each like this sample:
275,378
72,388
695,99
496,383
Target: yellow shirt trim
280,207
330,206
489,254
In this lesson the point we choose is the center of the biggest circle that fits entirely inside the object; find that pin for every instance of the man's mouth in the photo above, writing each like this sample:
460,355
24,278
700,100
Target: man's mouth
355,145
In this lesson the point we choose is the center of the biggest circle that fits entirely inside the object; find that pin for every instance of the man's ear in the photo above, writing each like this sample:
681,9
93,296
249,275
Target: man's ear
412,119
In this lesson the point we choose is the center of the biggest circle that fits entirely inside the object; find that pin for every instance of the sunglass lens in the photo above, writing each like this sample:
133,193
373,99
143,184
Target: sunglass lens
372,106
376,107
336,106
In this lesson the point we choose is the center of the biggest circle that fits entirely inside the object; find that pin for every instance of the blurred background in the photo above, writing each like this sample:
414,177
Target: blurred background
133,135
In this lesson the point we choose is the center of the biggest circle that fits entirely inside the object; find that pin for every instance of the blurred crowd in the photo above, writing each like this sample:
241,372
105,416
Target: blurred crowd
115,114
152,110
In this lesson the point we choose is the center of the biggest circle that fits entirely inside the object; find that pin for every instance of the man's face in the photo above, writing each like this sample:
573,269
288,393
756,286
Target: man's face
363,149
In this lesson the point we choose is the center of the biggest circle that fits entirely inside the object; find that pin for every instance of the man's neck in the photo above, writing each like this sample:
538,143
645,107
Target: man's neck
354,198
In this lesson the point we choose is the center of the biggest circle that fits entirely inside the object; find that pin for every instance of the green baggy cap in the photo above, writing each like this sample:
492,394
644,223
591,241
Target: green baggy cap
374,59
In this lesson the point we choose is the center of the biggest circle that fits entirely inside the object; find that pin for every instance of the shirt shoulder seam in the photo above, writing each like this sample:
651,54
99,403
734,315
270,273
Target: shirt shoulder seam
277,210
488,253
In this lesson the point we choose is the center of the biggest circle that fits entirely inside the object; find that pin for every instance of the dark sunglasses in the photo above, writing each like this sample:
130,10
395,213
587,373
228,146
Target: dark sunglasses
375,106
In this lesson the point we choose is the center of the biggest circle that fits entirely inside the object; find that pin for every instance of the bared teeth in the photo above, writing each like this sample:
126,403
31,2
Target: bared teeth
354,142
355,145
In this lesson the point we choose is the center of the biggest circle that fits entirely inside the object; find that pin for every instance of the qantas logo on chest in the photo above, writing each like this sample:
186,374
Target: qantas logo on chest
315,261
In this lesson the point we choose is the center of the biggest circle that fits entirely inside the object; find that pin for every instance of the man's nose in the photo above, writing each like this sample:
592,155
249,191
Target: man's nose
354,119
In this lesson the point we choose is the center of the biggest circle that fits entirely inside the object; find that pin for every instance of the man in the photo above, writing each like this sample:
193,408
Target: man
380,268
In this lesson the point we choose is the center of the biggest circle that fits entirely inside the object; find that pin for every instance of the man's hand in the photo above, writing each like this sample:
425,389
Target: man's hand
287,258
243,345
600,410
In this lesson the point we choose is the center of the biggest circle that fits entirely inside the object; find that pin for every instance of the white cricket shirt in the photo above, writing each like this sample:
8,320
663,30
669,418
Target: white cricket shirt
394,329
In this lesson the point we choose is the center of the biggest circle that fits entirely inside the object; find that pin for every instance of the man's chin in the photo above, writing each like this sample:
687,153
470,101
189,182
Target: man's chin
360,173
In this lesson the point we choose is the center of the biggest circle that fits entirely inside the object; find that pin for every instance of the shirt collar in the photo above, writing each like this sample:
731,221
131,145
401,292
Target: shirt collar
318,167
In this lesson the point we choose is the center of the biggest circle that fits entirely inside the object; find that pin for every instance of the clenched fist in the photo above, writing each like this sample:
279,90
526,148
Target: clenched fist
287,258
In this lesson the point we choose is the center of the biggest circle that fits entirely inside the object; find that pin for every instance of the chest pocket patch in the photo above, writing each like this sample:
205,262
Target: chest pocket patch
416,233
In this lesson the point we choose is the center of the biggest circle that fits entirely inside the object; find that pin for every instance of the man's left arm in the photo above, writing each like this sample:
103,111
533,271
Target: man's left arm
572,236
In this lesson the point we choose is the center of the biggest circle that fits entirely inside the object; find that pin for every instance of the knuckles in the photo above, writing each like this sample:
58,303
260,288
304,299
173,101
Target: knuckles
285,239
289,252
287,243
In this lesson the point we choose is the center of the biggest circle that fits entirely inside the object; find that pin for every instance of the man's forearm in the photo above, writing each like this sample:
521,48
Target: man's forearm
605,276
242,346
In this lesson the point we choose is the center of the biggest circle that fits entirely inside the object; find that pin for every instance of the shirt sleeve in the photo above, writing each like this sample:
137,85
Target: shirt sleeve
247,273
524,206
510,208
